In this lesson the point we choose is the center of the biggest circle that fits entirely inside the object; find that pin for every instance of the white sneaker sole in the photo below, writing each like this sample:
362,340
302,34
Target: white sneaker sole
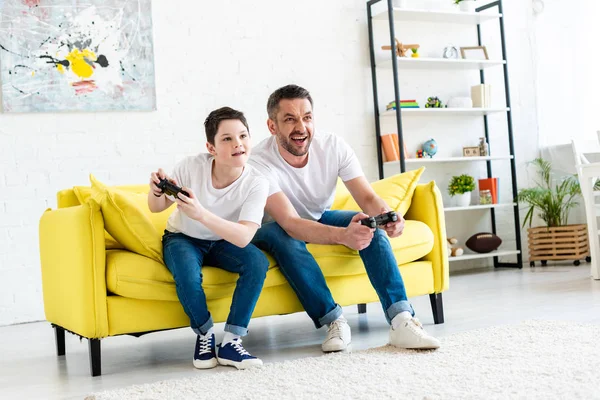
206,364
241,365
332,349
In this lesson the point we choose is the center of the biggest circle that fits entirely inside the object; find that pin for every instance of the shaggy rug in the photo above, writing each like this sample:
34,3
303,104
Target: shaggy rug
531,360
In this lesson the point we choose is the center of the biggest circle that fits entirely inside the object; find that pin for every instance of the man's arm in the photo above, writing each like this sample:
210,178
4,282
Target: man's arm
355,236
372,204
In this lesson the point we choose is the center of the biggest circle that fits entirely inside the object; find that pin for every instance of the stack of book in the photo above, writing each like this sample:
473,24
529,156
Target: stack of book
403,104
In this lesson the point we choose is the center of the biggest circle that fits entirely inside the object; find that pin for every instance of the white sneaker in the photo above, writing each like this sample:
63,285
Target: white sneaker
338,336
408,333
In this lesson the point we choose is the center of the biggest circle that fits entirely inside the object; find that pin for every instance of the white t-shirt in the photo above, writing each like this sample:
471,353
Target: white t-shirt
243,200
311,189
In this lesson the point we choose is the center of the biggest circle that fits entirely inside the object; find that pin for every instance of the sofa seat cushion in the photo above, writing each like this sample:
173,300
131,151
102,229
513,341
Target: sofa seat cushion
134,276
415,242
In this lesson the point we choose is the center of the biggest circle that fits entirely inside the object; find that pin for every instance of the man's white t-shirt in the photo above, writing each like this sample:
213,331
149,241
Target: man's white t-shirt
310,189
243,200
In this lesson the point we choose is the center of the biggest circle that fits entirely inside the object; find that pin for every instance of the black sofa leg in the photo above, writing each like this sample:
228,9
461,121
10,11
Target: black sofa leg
362,308
437,306
59,335
95,360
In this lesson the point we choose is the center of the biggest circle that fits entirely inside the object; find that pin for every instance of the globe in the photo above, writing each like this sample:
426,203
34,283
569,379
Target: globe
430,147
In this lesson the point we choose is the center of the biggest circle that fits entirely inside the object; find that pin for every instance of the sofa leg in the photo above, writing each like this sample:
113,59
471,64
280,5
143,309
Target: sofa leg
59,336
95,360
362,308
437,306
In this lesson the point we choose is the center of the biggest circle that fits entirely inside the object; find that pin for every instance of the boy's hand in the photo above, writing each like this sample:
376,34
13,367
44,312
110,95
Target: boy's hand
190,205
356,235
155,178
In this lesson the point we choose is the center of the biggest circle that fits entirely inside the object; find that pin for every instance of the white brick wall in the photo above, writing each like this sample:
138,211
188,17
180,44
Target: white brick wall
207,54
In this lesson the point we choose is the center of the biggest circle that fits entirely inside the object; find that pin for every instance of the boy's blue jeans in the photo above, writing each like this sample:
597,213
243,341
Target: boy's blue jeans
184,257
305,276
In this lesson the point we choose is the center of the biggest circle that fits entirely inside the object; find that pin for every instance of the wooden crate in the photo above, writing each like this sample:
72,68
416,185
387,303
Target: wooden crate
568,242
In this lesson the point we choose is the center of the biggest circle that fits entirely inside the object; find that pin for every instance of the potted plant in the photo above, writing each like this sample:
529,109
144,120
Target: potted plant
466,5
461,187
557,240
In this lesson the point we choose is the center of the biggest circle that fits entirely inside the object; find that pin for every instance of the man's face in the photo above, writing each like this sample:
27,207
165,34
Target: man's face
293,126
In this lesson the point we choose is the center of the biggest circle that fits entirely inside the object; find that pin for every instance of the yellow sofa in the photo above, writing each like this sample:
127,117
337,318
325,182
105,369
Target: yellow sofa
94,289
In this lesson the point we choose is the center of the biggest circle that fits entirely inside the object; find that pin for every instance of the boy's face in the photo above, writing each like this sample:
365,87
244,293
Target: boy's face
294,126
232,144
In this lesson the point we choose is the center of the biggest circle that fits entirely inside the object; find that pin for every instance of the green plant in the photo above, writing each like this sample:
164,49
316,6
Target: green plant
458,1
461,184
552,202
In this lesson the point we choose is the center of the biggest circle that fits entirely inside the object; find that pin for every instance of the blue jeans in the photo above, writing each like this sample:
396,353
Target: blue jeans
185,256
305,277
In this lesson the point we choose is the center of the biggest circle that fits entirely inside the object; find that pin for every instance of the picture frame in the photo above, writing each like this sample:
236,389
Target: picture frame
471,151
474,53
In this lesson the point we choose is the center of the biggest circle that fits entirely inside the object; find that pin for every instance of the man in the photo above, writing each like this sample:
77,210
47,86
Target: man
302,168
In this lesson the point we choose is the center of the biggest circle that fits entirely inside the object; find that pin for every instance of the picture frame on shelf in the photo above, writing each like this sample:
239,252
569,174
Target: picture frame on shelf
471,151
474,53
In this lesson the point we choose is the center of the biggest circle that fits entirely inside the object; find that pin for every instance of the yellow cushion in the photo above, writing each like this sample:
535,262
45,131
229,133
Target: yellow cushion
336,260
133,276
397,191
127,223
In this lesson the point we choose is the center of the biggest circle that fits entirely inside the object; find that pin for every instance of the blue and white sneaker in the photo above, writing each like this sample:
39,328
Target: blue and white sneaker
232,353
205,355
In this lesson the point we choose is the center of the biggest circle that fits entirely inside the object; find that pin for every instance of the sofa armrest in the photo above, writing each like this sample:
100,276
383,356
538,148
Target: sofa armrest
428,208
73,260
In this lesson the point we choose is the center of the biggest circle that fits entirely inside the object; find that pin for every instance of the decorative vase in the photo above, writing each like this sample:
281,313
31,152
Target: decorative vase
463,200
467,5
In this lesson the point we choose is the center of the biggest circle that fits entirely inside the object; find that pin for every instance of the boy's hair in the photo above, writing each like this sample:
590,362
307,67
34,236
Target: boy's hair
214,119
288,92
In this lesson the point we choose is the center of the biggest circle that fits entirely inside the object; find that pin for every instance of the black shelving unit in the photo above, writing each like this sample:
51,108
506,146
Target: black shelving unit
402,162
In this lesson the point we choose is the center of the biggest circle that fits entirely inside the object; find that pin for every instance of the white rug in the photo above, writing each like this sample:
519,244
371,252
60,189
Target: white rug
532,360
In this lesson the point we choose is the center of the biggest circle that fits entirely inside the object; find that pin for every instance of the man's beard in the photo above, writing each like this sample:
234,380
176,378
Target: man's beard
287,144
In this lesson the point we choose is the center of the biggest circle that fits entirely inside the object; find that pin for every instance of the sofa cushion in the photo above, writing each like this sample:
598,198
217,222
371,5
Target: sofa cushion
397,191
415,242
134,276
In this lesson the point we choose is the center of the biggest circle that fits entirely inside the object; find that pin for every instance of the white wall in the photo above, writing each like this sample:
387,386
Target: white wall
208,54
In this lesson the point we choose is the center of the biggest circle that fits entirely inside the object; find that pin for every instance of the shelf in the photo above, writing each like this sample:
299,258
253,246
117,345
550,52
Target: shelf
445,112
479,207
441,63
473,256
448,160
455,17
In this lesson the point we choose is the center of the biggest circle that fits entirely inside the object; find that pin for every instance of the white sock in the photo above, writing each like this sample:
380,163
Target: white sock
209,332
400,318
229,337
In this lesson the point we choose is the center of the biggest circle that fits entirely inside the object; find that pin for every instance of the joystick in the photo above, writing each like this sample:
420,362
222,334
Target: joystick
170,189
381,219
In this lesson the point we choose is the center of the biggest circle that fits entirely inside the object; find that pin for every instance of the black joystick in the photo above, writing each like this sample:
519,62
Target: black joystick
382,219
170,189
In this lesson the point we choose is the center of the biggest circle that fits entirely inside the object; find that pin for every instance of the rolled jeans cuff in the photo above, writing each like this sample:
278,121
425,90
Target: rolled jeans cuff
397,308
330,316
204,328
236,330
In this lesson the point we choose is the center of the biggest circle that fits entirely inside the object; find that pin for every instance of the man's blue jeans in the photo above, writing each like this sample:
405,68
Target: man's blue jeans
305,276
184,257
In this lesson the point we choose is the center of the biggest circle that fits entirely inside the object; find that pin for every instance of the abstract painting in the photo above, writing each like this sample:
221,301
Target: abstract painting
72,55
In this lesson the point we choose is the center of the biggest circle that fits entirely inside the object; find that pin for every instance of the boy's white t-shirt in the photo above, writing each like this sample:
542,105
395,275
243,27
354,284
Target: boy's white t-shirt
243,200
310,189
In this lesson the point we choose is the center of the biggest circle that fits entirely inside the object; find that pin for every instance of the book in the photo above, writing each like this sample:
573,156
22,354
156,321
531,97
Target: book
391,150
490,184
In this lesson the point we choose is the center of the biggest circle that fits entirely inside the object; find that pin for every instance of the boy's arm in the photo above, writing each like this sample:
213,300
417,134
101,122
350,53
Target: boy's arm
355,236
237,233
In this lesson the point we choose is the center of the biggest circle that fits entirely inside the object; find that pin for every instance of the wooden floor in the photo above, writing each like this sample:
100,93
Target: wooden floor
29,367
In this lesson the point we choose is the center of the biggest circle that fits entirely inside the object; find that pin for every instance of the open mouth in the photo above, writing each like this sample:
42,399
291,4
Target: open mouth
299,140
239,153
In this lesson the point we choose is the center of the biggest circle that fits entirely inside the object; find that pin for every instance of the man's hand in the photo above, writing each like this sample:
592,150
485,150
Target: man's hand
155,178
357,236
190,206
394,229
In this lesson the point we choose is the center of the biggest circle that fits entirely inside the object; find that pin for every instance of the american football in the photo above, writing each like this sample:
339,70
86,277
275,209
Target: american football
483,242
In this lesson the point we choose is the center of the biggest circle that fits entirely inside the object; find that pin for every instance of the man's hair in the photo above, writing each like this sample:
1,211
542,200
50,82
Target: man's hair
288,92
214,119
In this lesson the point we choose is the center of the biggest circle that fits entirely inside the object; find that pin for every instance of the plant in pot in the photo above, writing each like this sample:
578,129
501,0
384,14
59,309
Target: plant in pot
461,187
552,200
466,5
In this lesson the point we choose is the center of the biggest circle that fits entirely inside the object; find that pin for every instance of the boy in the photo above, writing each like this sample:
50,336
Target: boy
214,226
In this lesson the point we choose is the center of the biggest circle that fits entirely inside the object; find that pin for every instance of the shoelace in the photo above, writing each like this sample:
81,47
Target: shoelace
237,345
335,330
204,344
